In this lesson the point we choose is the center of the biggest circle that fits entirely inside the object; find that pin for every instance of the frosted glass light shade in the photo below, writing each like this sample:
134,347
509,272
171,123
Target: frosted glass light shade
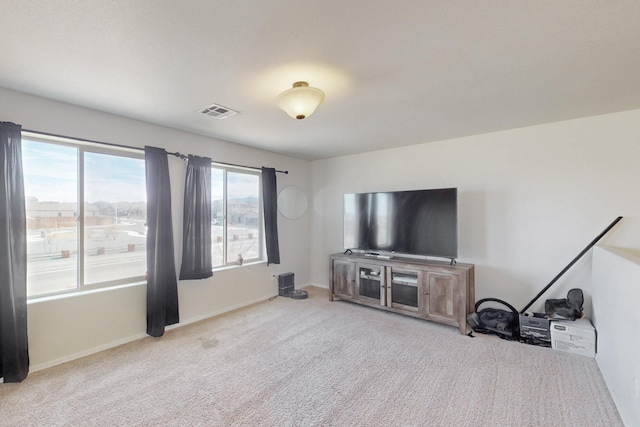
301,100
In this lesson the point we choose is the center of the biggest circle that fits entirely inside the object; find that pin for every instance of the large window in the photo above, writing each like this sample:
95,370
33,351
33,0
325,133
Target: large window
86,209
236,215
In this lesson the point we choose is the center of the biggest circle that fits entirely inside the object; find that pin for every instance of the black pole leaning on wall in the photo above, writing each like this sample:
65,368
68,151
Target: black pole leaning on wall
584,251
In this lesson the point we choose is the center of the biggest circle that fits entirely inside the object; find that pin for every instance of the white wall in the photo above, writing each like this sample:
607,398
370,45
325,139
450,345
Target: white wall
530,199
616,293
64,328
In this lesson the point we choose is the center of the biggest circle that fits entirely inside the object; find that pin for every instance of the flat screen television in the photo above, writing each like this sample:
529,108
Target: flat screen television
417,222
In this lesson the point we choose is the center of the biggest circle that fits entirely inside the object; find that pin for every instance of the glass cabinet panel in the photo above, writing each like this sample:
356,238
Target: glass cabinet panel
404,288
370,281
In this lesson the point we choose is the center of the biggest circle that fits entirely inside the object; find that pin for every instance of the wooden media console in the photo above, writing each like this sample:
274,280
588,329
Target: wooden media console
431,290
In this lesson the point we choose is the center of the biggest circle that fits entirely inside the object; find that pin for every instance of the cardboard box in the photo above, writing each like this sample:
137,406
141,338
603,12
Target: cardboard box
577,337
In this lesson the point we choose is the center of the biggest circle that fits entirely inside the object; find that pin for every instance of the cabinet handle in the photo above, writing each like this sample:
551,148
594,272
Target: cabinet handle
426,293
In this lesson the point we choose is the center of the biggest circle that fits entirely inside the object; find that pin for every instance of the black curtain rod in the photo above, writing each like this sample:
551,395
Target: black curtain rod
177,154
248,167
83,140
186,156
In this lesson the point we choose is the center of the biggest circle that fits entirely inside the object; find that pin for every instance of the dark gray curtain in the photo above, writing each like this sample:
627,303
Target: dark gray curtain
14,349
270,203
196,236
162,285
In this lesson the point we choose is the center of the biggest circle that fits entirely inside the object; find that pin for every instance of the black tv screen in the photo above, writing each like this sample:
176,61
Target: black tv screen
418,222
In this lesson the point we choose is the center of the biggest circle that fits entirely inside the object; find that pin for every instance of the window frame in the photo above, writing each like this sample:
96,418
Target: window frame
82,147
226,263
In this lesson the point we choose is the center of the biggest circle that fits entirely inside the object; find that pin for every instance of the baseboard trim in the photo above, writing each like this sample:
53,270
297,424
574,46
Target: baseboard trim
218,312
85,353
113,344
317,285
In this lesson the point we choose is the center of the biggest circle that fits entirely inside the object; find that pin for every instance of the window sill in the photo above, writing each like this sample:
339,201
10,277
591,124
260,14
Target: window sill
233,266
71,294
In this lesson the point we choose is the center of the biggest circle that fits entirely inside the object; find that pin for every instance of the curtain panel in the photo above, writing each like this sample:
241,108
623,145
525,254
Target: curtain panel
196,236
270,204
162,285
14,351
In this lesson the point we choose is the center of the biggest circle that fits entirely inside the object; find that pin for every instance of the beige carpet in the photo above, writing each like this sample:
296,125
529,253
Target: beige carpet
310,362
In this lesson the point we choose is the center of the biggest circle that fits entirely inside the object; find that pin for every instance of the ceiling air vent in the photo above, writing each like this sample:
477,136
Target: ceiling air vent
218,112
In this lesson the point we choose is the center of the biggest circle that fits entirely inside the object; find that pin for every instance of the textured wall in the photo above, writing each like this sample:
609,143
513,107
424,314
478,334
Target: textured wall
530,199
66,327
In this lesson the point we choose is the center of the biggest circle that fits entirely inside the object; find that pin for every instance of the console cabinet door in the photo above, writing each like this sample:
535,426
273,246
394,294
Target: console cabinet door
404,289
343,279
370,283
439,296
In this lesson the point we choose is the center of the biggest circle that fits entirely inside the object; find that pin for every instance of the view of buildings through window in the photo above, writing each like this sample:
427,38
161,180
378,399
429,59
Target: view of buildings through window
86,216
235,195
86,210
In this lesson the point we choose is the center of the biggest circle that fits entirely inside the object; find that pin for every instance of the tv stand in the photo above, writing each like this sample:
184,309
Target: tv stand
431,290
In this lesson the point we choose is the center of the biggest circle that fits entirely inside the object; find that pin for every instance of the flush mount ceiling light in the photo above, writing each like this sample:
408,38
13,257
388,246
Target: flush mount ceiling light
301,100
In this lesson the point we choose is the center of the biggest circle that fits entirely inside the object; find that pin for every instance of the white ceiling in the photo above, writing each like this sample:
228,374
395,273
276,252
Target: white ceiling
394,73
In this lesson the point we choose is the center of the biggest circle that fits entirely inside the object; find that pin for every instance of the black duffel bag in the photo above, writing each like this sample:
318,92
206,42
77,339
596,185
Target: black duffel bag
495,321
569,308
